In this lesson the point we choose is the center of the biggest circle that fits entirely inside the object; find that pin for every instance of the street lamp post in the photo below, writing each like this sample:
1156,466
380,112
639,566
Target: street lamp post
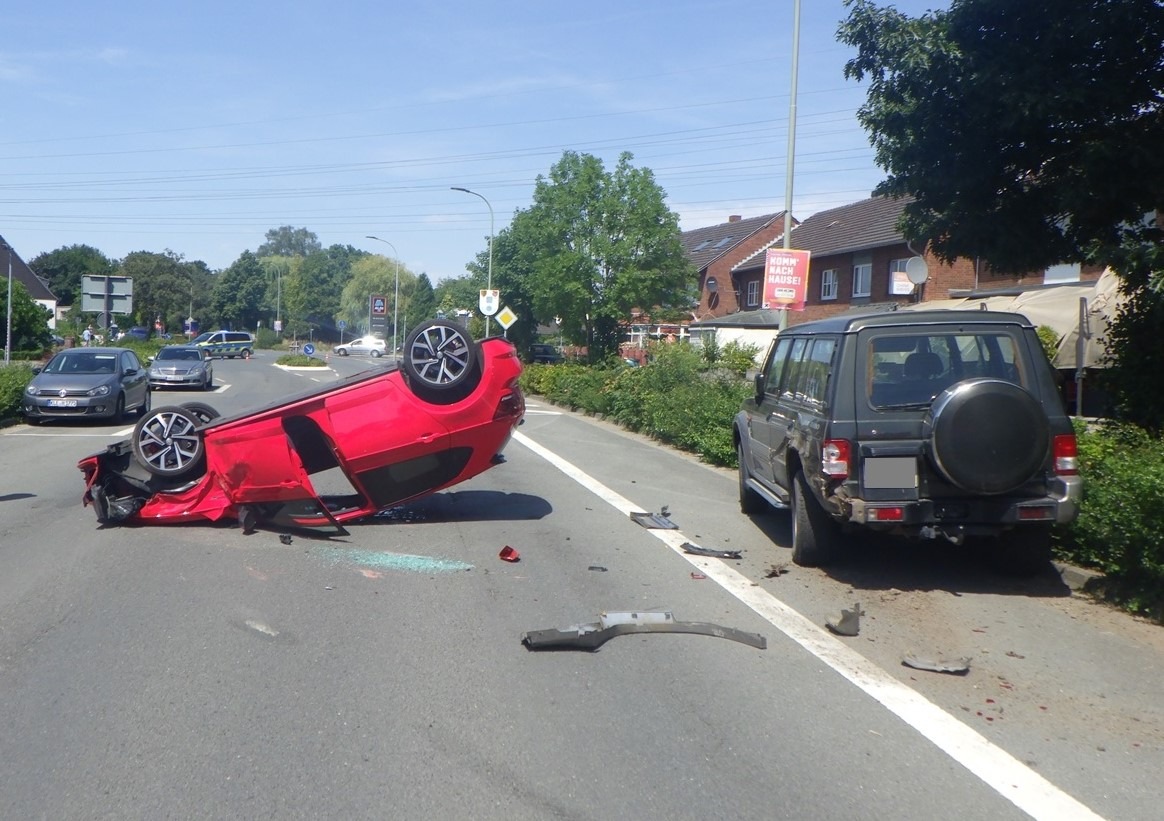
490,283
396,298
8,337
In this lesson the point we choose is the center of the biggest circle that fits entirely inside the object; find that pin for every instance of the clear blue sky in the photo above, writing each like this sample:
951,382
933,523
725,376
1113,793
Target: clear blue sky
196,127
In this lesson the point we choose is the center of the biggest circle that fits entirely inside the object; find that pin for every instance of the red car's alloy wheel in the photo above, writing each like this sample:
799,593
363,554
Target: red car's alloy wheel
167,443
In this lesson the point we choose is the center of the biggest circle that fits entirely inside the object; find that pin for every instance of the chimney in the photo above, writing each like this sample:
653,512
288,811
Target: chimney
734,218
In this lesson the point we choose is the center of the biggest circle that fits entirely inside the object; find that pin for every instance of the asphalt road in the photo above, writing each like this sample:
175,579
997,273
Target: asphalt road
194,672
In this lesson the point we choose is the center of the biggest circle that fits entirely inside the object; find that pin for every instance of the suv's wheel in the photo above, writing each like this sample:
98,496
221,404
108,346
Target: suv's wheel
814,534
1020,551
987,435
750,500
342,351
166,442
441,361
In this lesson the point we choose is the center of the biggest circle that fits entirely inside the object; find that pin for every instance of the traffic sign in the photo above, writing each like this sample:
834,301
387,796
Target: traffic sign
309,349
341,324
506,317
490,302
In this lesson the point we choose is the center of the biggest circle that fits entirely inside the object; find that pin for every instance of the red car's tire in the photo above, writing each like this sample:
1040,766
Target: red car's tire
201,411
166,442
442,363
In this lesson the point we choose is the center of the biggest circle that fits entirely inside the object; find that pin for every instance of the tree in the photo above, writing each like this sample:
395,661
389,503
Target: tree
1028,134
165,287
375,274
593,246
63,268
286,241
30,331
421,304
313,290
238,294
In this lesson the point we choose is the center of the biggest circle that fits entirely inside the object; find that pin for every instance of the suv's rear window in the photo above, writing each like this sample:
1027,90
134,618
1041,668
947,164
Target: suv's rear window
911,369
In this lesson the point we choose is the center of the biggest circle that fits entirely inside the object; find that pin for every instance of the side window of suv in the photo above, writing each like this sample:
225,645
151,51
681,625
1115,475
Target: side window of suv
794,370
816,370
776,365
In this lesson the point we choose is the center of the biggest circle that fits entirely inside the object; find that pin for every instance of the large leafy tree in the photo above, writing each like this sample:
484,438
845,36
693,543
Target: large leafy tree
375,275
312,293
165,287
237,298
63,268
593,245
286,241
1029,134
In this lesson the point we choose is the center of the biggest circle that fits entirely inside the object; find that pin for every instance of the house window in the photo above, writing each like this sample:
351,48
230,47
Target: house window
899,284
863,279
828,284
702,245
724,241
753,293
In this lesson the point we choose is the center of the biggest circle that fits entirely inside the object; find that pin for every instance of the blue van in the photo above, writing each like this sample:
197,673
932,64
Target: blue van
226,344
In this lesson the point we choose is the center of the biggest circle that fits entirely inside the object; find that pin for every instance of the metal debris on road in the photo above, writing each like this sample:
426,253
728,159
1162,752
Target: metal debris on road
696,550
592,636
597,567
849,623
957,667
776,570
285,538
658,521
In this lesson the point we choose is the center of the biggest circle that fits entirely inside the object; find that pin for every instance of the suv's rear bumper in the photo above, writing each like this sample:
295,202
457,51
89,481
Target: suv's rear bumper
979,514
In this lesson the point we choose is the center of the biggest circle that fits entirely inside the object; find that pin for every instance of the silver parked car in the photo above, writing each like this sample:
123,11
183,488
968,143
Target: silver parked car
88,382
371,345
182,366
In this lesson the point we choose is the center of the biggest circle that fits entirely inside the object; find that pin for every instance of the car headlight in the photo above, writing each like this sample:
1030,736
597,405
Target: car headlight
100,390
32,390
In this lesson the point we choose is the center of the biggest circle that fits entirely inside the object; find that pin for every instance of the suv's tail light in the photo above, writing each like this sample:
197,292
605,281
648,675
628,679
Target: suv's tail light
834,457
1066,455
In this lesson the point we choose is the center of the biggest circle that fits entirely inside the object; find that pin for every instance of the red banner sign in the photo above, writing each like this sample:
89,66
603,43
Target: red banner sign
785,279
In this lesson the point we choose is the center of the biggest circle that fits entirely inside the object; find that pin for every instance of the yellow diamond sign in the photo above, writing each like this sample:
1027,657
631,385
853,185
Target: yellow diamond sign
506,317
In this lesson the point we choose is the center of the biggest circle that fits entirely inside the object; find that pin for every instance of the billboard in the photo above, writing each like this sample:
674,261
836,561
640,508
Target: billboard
785,279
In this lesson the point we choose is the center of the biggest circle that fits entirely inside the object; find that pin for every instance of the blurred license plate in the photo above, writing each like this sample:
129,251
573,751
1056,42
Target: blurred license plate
173,377
891,472
62,403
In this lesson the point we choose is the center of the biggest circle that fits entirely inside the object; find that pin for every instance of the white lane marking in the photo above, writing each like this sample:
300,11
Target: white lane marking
1004,773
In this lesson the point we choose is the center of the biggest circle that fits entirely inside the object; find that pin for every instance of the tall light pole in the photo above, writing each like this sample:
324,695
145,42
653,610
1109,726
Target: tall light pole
8,338
490,284
396,298
791,159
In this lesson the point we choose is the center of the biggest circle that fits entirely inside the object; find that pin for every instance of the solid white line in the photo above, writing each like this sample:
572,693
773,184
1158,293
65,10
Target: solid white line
1004,773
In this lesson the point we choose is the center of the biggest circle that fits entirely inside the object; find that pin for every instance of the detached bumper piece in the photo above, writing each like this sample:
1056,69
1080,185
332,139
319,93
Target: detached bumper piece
592,636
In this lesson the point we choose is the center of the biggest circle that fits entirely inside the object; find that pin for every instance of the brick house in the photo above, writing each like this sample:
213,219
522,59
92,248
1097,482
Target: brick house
717,250
859,257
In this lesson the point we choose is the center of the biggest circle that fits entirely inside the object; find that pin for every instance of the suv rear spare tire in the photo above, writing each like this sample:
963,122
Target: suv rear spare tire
987,436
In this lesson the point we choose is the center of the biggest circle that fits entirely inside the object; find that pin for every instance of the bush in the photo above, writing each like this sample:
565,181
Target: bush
300,360
14,379
267,339
1120,529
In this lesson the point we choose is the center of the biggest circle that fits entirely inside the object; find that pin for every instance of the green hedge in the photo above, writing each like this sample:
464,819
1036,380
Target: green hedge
14,378
1120,529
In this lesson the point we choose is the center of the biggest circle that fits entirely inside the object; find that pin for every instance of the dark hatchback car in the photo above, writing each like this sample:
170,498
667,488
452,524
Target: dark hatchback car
103,383
443,415
927,424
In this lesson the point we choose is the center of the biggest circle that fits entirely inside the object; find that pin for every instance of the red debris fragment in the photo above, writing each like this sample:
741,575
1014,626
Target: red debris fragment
508,554
697,576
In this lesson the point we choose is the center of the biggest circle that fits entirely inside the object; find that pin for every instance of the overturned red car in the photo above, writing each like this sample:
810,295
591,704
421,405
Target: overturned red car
443,415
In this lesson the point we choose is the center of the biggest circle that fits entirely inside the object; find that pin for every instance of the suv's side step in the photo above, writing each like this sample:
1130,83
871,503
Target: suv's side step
769,497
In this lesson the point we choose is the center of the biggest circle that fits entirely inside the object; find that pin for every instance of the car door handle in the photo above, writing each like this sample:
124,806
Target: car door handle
426,438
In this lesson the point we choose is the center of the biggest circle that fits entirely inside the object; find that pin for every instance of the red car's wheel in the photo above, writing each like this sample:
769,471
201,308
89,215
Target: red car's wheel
166,442
201,411
441,361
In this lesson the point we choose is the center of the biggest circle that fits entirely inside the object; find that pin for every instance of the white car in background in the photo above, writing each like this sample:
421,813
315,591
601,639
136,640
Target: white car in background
370,345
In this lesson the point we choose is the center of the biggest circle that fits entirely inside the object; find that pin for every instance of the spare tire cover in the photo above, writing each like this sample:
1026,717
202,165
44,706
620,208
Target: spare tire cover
987,435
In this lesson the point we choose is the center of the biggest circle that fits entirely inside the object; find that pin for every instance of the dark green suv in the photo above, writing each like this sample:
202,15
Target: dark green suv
924,424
